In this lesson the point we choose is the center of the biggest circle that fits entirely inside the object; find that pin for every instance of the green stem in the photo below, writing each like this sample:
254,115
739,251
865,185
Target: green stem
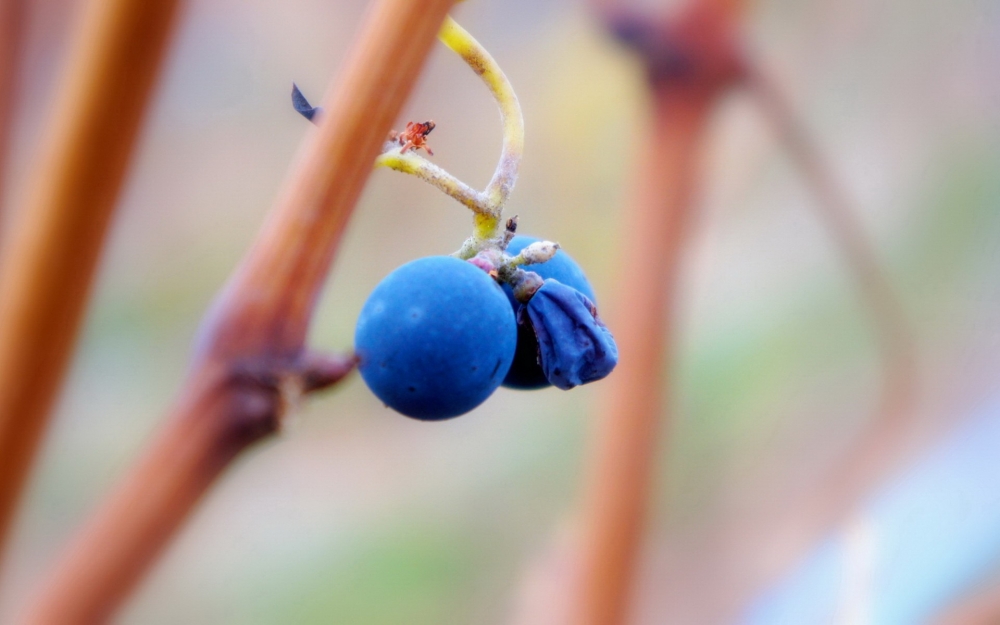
465,45
488,205
411,163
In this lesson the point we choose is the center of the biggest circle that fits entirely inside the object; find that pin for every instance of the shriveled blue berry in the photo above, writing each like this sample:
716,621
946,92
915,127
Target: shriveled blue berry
526,371
435,338
574,345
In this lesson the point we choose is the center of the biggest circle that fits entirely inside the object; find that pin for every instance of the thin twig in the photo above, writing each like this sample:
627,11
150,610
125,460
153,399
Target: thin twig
883,439
838,214
12,24
252,365
49,258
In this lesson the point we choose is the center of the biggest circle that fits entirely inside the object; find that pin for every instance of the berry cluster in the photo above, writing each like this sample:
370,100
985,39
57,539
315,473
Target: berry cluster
438,335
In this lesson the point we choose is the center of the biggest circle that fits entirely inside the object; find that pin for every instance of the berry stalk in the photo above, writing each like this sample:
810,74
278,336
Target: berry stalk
488,204
465,45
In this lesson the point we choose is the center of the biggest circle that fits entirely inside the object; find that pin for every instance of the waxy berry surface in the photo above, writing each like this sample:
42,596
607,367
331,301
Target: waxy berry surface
435,338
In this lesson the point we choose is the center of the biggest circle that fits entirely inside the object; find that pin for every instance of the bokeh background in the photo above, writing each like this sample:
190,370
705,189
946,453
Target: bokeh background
358,515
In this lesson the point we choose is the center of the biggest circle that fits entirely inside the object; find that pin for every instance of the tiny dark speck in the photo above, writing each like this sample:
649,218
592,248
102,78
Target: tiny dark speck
475,367
412,389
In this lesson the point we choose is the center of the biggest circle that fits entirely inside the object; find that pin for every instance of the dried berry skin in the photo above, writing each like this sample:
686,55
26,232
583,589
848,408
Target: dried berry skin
435,338
526,372
574,345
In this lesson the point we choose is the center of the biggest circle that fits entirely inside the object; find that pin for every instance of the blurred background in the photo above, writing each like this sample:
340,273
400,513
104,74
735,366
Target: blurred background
358,515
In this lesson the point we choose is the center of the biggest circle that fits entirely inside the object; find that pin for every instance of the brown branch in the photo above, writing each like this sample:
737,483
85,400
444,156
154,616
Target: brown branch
690,62
626,434
251,366
50,256
698,45
12,25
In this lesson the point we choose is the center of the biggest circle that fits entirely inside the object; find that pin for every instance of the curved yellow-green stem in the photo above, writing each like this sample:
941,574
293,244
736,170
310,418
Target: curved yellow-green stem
488,205
465,45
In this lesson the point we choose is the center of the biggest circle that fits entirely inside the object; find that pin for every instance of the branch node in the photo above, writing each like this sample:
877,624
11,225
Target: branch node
266,389
320,371
697,48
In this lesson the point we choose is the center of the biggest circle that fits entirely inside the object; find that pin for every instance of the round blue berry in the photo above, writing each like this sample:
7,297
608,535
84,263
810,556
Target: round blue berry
526,372
435,338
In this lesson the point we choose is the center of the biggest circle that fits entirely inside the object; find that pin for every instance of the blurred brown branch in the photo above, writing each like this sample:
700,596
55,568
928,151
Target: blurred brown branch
252,365
12,26
691,59
626,436
690,63
50,255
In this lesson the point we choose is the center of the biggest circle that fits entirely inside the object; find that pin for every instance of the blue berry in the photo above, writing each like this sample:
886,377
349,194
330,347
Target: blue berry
435,338
526,372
